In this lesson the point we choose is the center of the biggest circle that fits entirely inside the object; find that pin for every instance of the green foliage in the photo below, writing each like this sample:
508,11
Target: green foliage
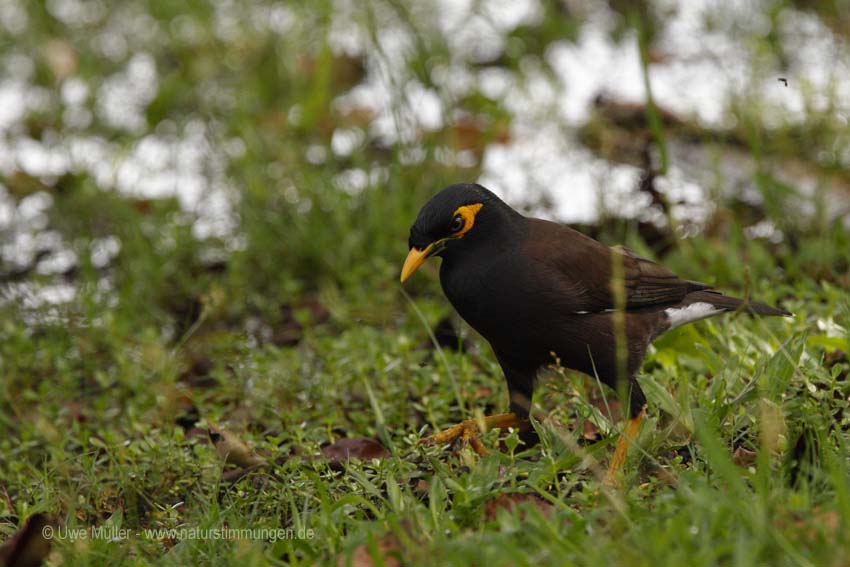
294,333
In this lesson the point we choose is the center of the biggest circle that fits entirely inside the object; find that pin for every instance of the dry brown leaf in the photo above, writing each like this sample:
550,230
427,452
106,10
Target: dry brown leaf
233,450
744,457
590,431
354,448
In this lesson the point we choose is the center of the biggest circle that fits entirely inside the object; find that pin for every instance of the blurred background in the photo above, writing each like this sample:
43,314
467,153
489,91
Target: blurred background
204,208
149,149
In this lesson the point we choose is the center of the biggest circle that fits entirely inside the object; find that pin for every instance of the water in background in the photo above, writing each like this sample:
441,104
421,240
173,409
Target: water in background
706,57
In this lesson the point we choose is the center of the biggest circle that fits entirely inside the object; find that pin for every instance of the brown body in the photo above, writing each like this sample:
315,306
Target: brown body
537,290
525,301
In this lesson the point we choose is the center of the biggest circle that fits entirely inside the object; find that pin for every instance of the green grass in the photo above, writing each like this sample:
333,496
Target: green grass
297,334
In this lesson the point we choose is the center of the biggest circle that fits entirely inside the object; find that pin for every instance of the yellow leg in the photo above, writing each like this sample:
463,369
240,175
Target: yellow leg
624,443
468,430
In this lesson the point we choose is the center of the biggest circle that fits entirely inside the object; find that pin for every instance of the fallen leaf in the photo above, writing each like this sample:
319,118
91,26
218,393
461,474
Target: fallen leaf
30,545
590,431
744,457
233,450
354,448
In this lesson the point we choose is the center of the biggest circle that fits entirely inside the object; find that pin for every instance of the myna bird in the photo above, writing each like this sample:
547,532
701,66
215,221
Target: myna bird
537,290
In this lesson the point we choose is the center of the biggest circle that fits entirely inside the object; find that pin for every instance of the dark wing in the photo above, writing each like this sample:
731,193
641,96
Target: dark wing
648,283
583,270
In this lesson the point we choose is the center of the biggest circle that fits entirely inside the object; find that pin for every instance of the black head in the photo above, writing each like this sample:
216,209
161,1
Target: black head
454,218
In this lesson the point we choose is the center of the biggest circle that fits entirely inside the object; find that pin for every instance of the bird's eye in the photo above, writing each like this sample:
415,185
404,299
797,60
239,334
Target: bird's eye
457,224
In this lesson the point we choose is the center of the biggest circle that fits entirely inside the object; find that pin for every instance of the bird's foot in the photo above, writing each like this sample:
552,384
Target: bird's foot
469,431
624,443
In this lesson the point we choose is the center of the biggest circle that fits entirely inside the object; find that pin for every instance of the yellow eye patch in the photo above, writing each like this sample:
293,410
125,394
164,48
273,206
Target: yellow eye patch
467,213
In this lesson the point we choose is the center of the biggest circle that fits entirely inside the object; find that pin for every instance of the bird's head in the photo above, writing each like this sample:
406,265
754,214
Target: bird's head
454,218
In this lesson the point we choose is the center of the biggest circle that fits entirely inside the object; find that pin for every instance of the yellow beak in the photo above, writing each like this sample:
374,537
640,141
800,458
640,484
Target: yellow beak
415,258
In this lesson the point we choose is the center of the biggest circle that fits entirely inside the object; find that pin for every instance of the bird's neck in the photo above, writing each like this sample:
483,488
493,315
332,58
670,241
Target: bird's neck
466,270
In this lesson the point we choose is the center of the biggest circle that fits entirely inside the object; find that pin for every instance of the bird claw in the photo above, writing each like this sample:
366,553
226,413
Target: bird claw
469,431
624,443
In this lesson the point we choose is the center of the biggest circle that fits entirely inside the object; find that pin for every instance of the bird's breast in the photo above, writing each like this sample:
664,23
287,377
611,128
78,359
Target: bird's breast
485,295
462,289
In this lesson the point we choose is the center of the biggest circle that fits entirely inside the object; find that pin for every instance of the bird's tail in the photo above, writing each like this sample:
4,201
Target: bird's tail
705,303
727,303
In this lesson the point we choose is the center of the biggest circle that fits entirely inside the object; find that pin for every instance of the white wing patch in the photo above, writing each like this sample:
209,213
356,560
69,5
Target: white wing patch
679,316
